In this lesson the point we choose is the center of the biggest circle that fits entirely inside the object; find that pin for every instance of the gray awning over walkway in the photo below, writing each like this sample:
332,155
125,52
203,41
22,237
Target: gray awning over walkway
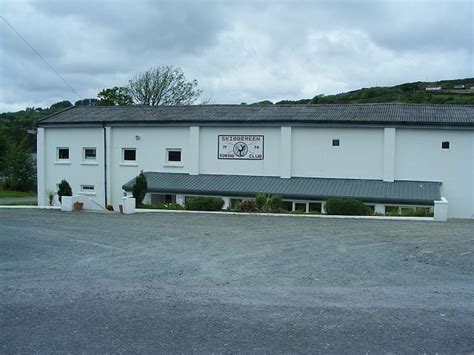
298,188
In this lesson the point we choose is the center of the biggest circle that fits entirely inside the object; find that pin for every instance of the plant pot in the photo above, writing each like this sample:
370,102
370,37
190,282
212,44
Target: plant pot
121,209
78,206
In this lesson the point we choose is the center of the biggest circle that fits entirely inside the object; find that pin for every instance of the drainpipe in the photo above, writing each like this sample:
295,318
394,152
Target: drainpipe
105,164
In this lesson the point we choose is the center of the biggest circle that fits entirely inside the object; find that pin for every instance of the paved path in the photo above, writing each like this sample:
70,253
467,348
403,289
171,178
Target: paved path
147,283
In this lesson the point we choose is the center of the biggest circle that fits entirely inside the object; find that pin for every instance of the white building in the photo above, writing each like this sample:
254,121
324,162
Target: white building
384,154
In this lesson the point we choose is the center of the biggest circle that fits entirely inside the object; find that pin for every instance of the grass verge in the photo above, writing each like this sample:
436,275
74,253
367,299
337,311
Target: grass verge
10,194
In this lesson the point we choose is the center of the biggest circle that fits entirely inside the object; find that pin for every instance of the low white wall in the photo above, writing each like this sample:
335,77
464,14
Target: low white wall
441,210
128,205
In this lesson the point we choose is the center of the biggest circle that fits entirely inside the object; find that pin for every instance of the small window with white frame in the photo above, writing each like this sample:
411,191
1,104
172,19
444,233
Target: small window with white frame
89,154
129,155
88,188
62,153
173,155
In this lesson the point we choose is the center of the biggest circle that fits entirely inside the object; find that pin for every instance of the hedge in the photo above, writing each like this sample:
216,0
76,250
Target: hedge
248,206
204,204
346,207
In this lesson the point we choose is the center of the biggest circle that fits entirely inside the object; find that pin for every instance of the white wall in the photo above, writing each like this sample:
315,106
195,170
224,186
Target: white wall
359,156
418,156
151,153
364,153
77,172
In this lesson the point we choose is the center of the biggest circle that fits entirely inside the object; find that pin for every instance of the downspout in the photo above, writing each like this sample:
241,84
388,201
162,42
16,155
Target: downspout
105,164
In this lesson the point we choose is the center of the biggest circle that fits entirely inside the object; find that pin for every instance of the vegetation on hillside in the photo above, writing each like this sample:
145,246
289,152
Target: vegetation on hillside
414,93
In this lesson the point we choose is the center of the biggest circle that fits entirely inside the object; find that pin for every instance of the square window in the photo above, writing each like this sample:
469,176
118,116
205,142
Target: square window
174,155
129,154
445,145
90,154
63,153
335,142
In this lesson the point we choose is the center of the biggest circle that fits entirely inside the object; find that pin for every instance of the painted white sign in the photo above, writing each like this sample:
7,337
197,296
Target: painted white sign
243,147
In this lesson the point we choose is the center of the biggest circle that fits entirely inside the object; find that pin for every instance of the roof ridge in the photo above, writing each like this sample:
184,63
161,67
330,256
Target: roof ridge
272,105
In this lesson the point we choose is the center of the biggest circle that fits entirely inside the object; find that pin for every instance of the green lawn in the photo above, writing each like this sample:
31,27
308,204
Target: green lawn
7,193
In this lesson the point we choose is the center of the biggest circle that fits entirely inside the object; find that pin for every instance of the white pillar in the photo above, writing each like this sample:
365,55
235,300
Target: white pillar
226,203
379,208
128,205
193,154
389,154
40,167
285,152
108,157
180,200
441,210
472,174
146,199
323,207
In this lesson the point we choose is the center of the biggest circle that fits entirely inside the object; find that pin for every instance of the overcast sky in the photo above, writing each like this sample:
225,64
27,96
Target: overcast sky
239,51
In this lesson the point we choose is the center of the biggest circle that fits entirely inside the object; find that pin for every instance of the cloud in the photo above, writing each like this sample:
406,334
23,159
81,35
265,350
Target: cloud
239,51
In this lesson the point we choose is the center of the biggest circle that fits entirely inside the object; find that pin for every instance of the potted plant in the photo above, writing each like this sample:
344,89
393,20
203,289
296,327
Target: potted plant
78,206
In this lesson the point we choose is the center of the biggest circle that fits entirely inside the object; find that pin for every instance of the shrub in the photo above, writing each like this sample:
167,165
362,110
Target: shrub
416,212
261,201
50,197
276,203
140,188
64,189
205,204
19,169
6,184
346,207
169,206
248,206
267,203
393,211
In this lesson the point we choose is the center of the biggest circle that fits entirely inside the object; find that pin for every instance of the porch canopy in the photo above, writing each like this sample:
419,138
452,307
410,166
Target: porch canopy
295,188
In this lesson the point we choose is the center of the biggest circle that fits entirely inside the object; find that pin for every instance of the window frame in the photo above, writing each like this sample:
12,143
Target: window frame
58,157
84,157
129,161
174,150
173,163
86,190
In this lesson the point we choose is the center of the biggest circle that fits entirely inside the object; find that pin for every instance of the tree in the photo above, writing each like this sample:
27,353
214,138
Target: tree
18,168
86,102
64,189
116,96
140,188
163,86
60,105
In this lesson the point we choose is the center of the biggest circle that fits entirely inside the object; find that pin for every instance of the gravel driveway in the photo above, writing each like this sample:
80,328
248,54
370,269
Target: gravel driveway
162,282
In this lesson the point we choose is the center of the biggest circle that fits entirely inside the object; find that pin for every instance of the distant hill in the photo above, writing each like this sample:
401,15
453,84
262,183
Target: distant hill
455,92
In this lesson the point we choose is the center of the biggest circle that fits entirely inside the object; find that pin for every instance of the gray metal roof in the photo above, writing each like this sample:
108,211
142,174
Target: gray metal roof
404,192
382,114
